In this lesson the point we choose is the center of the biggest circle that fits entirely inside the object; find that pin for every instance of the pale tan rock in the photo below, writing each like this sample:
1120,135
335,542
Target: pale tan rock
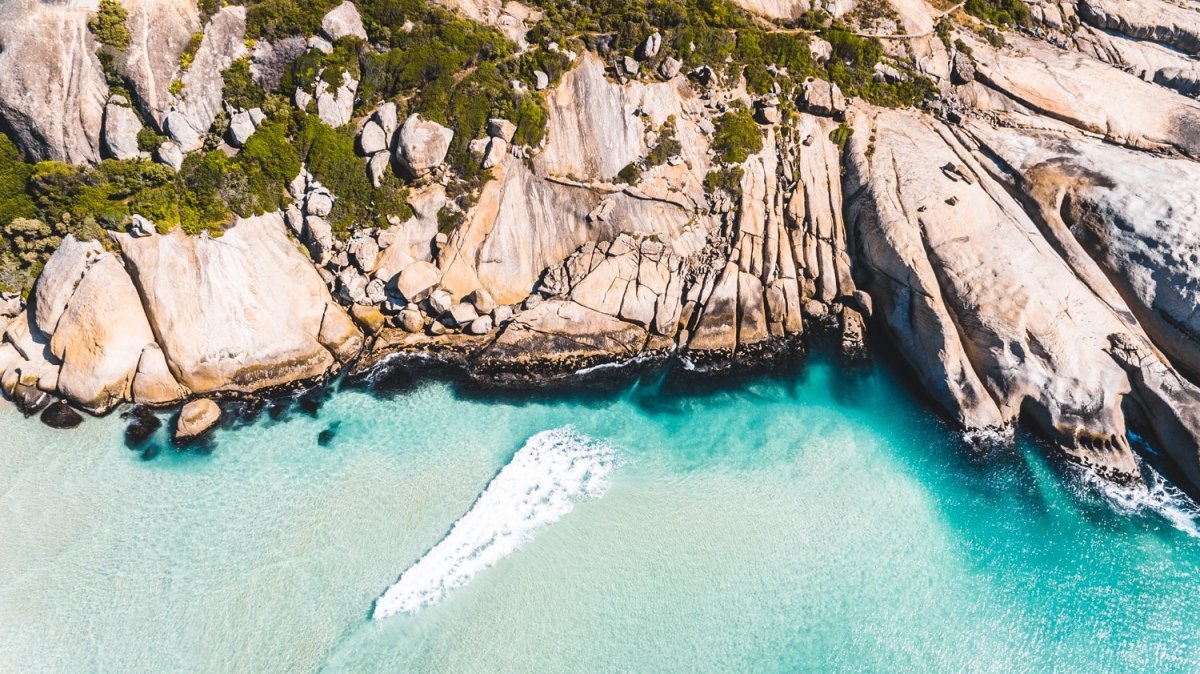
100,338
416,281
596,128
1172,24
1137,215
343,21
197,418
237,313
1081,91
154,384
1022,333
60,276
562,333
422,146
52,88
159,31
200,101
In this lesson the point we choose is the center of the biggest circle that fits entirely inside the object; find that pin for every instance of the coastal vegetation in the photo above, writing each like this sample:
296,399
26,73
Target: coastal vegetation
108,25
447,68
1002,13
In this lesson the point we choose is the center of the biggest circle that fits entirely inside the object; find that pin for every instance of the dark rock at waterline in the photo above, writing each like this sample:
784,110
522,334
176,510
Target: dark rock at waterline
142,425
61,415
249,411
30,400
278,409
310,401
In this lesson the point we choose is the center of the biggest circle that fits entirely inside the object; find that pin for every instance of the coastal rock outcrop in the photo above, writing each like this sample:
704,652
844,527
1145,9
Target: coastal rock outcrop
241,312
991,317
159,32
195,419
52,88
1111,203
200,99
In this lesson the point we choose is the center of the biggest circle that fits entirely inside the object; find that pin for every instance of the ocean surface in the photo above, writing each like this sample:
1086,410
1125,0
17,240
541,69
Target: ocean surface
817,520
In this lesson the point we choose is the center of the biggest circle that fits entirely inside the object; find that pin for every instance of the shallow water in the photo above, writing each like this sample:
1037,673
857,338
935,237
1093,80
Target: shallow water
817,521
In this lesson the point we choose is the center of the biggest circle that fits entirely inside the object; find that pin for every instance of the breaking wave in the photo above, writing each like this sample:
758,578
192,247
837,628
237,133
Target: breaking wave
543,481
1156,496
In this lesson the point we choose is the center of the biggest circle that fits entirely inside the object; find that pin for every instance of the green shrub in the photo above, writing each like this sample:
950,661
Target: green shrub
148,139
737,136
108,25
15,202
240,89
274,19
330,157
630,175
189,50
667,146
1003,13
841,135
727,178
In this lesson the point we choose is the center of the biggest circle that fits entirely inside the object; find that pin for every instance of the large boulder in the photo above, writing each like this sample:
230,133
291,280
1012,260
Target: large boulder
823,98
121,127
196,419
52,88
101,337
416,281
335,107
60,276
239,313
343,21
422,146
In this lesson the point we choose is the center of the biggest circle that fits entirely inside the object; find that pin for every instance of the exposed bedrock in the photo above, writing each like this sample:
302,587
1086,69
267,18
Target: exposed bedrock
174,316
1135,215
159,31
52,89
1037,81
1170,23
994,320
241,312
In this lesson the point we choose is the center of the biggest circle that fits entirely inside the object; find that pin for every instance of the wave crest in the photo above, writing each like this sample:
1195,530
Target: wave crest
543,481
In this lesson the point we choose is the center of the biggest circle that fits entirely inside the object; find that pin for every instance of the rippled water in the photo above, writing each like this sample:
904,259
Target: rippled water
819,520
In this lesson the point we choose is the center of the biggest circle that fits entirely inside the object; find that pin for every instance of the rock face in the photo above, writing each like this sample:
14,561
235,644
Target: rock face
1168,23
1111,202
982,305
1065,86
159,31
203,86
52,89
239,313
121,127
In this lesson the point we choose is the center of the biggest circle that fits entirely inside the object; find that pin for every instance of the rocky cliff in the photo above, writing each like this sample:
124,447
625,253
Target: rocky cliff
1025,236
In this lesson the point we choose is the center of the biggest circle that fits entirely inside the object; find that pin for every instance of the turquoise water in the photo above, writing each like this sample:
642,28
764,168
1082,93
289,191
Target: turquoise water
817,521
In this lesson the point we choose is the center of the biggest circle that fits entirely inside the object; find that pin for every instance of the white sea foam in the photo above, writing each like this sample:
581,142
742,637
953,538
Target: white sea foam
1156,496
543,481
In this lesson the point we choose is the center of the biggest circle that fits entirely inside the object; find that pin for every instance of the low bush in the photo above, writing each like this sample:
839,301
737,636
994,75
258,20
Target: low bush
1003,13
108,25
737,136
